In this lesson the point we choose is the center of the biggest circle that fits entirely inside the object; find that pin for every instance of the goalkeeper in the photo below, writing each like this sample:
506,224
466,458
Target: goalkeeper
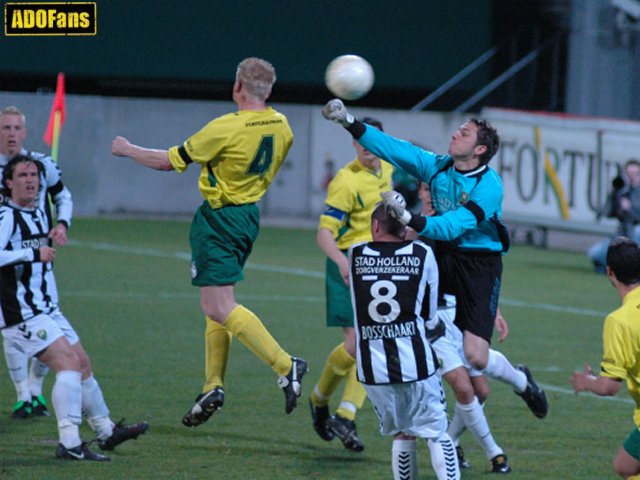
467,196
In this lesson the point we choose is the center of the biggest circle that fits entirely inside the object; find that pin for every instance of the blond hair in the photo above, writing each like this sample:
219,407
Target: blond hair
11,110
257,77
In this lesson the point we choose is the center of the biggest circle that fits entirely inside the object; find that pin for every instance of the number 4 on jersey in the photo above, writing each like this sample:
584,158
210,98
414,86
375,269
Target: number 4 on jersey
263,157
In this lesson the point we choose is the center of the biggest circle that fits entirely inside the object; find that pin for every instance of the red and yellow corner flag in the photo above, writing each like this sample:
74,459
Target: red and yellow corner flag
56,118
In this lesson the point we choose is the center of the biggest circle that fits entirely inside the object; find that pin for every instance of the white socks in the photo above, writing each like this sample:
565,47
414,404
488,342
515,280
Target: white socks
499,368
66,398
443,458
37,373
94,406
473,417
18,364
404,460
444,461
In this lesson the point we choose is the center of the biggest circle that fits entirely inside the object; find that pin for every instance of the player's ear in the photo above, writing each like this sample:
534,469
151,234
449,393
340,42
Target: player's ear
375,227
480,149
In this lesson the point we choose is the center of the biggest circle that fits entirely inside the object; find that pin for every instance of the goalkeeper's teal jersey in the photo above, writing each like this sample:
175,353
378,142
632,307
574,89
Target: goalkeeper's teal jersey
239,155
467,203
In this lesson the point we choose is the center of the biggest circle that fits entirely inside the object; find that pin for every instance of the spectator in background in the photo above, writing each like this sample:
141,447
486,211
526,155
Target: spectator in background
623,203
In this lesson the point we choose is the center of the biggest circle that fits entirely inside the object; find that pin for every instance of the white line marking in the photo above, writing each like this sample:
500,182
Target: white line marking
291,298
569,391
552,308
152,252
190,296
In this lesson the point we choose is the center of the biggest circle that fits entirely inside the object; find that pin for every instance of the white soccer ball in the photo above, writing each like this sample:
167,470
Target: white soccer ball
349,77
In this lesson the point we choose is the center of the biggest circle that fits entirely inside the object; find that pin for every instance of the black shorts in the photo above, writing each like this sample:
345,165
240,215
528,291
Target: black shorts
474,278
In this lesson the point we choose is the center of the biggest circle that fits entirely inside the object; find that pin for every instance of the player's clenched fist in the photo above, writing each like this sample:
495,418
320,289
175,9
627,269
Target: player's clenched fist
120,146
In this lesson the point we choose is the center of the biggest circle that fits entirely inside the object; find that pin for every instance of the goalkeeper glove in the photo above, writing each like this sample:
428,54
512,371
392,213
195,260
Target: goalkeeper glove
335,111
396,206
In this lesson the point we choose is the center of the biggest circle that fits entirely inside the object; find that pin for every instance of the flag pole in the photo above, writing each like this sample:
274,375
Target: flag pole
56,135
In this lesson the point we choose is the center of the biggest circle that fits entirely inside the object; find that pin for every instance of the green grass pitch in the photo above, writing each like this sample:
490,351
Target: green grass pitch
124,284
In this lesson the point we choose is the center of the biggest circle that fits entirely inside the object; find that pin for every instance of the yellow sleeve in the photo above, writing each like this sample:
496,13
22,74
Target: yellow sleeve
330,223
615,356
338,204
179,165
202,147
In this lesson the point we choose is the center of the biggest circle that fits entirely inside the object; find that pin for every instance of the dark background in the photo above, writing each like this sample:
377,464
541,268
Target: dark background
189,49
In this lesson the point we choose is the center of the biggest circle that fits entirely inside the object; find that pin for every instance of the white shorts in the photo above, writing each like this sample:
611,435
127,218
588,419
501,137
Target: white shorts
450,348
416,409
66,327
32,336
62,322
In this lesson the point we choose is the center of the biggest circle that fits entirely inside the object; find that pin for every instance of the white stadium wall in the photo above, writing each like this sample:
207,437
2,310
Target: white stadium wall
584,152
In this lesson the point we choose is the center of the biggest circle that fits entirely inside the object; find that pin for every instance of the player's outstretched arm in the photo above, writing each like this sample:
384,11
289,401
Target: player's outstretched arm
149,157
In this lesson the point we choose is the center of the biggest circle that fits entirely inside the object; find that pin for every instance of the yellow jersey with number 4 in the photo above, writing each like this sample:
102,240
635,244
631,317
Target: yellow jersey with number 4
239,154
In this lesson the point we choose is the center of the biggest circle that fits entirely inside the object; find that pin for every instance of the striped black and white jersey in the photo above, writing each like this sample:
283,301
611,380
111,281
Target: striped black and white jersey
27,285
394,293
51,182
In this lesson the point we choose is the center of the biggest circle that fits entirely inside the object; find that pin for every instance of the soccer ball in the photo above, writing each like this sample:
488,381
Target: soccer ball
349,77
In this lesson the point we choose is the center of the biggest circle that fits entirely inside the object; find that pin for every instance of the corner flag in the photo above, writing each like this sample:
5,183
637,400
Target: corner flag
56,118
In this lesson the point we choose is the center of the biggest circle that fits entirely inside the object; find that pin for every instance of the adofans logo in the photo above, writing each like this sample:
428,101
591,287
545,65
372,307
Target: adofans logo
51,18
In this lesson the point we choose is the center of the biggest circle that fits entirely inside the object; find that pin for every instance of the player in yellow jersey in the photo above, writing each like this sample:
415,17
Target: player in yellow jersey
346,220
621,348
239,154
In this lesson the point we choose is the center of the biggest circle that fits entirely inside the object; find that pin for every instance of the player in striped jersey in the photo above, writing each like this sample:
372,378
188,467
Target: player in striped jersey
394,289
33,324
239,155
28,381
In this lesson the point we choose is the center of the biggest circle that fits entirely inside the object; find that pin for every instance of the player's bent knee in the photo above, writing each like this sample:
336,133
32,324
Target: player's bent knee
477,361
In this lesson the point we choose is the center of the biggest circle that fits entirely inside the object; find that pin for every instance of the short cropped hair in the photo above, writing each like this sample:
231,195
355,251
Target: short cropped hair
632,162
623,258
257,76
11,110
388,224
487,136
